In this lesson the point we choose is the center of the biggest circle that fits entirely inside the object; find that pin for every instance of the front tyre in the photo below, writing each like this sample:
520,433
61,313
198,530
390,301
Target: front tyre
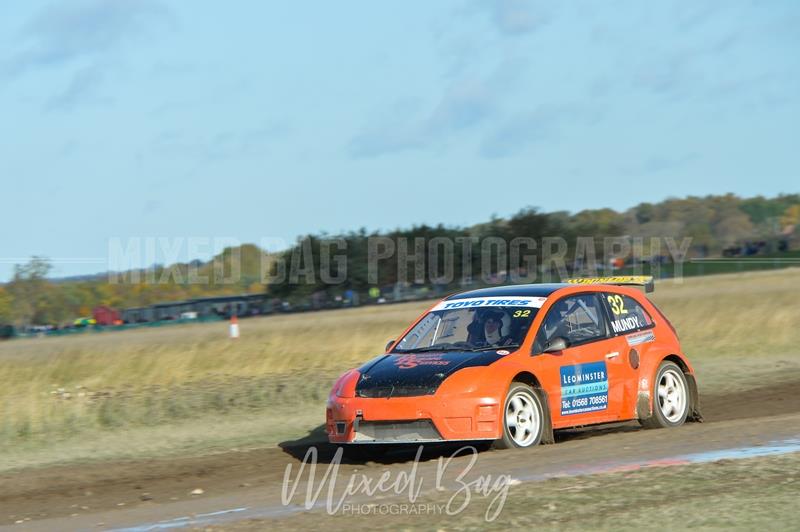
523,418
671,398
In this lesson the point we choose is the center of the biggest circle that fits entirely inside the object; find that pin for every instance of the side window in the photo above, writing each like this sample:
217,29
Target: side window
578,319
627,315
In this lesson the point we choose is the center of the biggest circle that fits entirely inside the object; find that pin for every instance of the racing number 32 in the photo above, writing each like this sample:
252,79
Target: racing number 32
522,313
617,306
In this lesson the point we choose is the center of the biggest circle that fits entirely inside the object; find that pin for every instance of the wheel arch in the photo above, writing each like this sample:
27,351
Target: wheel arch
681,363
645,406
527,377
688,373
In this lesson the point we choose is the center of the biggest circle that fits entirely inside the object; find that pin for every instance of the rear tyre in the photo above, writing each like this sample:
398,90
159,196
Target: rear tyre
523,418
671,398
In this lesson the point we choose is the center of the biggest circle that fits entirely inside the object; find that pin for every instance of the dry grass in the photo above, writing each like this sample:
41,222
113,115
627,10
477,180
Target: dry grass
59,389
178,354
740,330
734,313
748,494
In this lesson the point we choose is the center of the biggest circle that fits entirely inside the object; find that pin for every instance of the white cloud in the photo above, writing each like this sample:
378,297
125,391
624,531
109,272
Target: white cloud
79,29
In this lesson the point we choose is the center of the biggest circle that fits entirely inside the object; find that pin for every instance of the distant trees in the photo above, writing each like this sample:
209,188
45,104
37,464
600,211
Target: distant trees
300,273
713,223
763,210
791,216
6,307
30,298
28,291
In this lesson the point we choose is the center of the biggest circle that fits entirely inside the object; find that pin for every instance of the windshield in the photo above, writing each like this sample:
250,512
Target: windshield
472,324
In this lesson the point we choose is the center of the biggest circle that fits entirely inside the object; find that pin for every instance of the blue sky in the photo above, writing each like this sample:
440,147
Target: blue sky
125,118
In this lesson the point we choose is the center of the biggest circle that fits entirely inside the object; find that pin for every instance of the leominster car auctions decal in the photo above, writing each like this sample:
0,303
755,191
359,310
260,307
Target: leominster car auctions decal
584,388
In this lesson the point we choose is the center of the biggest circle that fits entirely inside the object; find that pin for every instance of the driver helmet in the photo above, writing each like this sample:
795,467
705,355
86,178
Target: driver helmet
499,318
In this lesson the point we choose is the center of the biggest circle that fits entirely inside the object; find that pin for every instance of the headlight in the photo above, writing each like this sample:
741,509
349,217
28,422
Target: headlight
345,387
463,382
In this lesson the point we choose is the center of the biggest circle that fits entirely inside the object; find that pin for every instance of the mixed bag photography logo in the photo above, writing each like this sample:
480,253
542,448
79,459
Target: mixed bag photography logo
450,490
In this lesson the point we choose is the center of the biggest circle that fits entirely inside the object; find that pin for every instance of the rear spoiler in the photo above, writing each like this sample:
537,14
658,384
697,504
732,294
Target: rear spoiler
635,280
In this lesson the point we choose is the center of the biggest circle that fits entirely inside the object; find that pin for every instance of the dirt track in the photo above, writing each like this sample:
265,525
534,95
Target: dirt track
127,494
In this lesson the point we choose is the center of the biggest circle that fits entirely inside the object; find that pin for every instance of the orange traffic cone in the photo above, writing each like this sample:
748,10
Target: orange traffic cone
234,328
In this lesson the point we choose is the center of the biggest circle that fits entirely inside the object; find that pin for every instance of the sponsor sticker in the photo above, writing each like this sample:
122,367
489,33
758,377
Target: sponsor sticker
584,388
640,338
480,302
503,352
413,360
620,279
626,324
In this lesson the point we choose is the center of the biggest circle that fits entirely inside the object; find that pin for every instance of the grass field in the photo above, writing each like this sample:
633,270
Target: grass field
717,265
190,388
750,494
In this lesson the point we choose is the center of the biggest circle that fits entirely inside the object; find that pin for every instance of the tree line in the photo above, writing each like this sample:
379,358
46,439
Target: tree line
714,223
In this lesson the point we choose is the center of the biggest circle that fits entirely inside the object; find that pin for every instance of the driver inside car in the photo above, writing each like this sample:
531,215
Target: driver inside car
489,328
492,326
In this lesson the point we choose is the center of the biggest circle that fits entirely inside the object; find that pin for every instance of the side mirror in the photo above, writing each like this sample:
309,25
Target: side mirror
388,345
555,345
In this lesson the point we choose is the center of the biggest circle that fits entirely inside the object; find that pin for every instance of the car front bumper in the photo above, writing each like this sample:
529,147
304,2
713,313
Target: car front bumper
419,419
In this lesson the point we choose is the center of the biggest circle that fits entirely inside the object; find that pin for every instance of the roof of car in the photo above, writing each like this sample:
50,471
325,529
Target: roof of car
514,290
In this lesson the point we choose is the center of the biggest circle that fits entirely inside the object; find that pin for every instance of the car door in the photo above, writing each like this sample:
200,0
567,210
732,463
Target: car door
631,326
581,379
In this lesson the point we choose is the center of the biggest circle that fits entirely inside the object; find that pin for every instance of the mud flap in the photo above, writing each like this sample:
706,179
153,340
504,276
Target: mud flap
695,414
547,433
643,410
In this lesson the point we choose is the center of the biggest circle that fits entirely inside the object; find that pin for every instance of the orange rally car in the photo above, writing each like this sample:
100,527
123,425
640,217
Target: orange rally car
513,363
